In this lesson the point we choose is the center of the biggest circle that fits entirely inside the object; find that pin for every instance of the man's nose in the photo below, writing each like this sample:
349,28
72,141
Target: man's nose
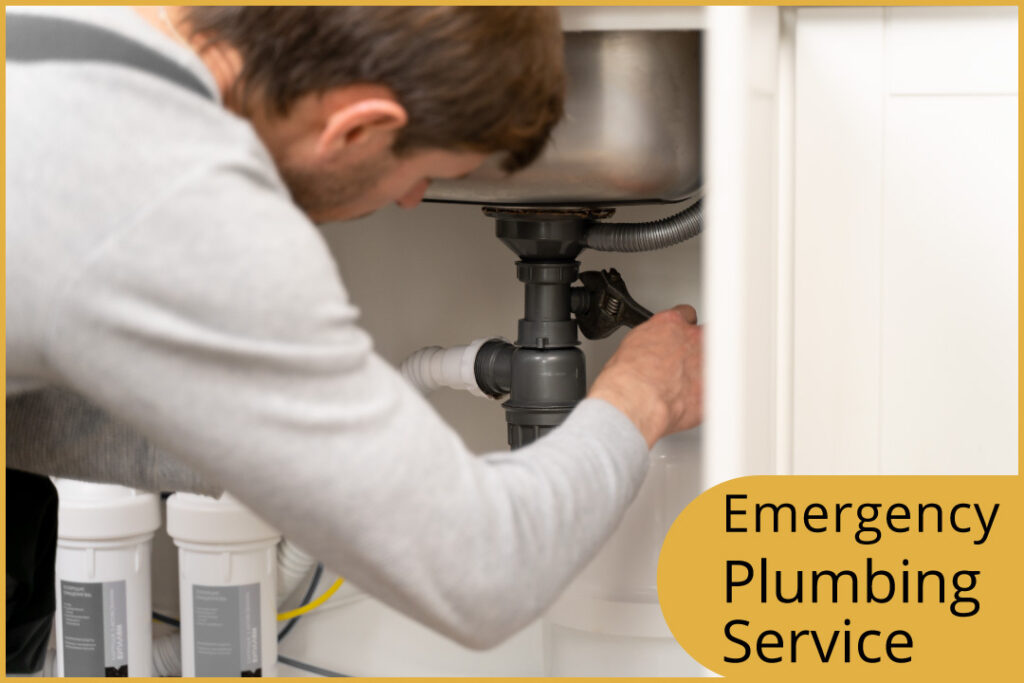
414,196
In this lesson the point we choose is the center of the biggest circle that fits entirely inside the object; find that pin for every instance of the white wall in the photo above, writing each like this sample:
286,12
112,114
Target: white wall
438,275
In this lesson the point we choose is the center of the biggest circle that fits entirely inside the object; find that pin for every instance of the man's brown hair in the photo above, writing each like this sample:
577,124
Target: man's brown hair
487,79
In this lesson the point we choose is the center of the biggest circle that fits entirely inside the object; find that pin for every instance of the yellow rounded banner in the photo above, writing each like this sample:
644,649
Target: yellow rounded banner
838,578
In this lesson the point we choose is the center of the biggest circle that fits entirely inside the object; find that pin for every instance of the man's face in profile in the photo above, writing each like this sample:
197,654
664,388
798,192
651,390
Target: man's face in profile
344,190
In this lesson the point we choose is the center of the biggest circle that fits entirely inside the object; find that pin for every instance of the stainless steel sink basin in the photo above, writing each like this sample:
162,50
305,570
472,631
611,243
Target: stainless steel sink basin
631,134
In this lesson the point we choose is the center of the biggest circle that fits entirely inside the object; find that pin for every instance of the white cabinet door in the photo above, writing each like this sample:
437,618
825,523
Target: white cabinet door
905,241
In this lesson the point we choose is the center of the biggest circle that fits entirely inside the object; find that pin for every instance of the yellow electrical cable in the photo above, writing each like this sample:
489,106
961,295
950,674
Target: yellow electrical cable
312,604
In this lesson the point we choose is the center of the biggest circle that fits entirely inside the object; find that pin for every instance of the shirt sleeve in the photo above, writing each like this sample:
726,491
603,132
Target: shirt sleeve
57,433
215,323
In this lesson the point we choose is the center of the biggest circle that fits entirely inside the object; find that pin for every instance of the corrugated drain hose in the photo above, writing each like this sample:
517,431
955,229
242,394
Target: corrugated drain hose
647,236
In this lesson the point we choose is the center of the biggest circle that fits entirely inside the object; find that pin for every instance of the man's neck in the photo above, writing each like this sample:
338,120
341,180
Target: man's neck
223,62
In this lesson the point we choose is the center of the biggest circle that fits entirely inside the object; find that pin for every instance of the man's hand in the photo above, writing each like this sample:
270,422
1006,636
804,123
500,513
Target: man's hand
655,376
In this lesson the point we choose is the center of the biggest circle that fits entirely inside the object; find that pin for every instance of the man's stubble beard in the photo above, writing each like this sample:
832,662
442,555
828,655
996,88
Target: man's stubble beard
324,190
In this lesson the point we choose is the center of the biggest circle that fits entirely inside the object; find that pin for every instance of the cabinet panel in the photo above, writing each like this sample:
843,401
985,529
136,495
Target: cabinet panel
949,285
952,50
905,241
837,237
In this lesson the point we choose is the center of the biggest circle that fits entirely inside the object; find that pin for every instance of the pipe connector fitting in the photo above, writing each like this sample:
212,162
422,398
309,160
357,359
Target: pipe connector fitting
434,367
493,367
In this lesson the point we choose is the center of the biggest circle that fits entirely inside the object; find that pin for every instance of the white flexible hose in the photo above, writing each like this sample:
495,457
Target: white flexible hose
167,655
433,367
293,566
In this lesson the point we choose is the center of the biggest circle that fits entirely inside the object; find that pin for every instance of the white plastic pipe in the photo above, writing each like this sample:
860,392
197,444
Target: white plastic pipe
293,565
167,655
433,367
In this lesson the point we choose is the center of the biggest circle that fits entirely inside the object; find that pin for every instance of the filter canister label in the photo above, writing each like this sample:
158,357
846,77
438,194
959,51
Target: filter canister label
94,620
227,630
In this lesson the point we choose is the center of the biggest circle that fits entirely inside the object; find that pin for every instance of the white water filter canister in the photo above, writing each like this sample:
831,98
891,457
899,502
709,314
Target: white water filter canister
227,569
104,604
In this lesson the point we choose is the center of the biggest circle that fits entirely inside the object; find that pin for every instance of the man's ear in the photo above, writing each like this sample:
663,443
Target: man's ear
355,122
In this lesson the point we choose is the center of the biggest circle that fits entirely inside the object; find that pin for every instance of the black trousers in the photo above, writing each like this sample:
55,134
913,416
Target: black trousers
31,553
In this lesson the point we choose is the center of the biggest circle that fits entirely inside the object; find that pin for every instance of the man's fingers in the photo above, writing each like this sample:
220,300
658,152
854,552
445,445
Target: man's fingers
689,313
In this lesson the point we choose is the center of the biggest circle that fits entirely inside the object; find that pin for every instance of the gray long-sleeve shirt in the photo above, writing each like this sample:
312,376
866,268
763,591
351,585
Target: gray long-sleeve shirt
157,267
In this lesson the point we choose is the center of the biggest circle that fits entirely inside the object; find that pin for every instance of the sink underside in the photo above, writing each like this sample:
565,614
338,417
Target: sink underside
631,133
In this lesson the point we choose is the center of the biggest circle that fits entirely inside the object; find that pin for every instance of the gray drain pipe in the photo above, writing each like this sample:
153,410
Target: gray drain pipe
648,236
